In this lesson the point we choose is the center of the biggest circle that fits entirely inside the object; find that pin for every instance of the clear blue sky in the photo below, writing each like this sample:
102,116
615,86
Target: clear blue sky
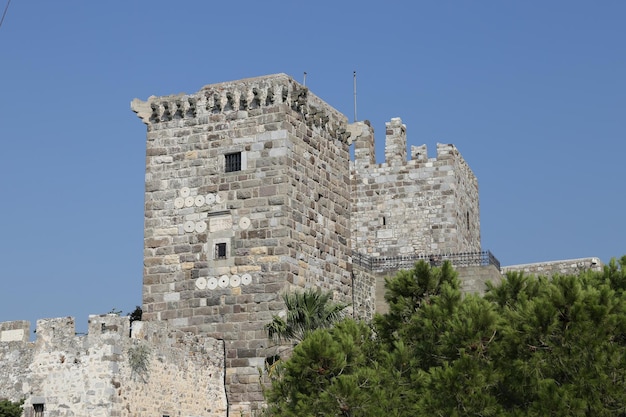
533,93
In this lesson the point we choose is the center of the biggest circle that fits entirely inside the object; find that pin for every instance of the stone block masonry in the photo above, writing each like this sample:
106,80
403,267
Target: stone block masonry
109,372
249,193
562,267
247,196
420,206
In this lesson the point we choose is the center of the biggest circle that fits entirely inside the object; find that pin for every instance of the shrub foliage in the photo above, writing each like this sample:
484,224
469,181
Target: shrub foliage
530,347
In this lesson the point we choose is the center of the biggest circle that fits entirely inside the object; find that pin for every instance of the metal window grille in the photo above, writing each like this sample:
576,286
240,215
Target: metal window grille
220,251
38,410
233,162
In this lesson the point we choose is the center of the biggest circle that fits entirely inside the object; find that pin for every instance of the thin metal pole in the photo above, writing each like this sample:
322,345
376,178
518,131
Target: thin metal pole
5,12
354,78
304,82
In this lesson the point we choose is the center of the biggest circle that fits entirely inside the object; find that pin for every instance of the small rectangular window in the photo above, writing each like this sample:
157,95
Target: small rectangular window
232,162
38,410
220,251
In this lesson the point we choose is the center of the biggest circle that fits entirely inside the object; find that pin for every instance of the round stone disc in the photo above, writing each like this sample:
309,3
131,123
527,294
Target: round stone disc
210,199
199,201
184,192
211,283
201,283
224,281
200,227
179,202
235,280
189,226
246,279
244,223
189,201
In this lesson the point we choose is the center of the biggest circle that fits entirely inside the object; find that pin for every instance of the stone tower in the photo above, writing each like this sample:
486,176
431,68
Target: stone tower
417,206
247,196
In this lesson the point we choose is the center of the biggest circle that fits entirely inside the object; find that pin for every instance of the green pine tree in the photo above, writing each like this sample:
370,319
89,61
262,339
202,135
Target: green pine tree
531,347
10,409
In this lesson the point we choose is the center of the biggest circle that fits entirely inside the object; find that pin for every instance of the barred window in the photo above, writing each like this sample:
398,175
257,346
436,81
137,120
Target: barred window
38,410
220,251
232,162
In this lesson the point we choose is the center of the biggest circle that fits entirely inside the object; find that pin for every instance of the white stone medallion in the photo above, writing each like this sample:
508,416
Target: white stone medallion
235,280
244,223
224,281
200,227
189,226
185,199
211,283
201,283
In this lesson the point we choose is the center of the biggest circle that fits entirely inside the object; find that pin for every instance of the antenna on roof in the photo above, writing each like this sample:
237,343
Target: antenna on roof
354,79
304,82
5,12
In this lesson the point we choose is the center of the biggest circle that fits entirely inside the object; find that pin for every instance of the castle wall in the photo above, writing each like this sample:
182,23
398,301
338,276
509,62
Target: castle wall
562,267
16,354
473,279
172,374
281,218
369,285
365,293
424,206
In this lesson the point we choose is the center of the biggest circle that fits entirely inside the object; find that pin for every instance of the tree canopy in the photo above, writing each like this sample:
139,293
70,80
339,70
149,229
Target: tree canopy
10,409
530,347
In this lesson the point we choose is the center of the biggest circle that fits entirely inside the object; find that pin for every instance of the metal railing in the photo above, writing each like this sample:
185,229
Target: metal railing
391,263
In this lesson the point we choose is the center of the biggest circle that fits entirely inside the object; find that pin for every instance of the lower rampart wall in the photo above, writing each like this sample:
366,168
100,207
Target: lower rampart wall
369,286
155,371
563,267
364,293
474,278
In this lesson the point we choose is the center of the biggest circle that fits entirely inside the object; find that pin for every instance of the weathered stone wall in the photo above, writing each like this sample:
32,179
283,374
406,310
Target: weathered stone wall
282,215
474,279
550,268
369,286
177,374
250,193
16,354
364,293
423,205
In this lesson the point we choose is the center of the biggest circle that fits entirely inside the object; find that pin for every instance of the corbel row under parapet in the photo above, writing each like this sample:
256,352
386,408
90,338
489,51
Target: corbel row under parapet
241,97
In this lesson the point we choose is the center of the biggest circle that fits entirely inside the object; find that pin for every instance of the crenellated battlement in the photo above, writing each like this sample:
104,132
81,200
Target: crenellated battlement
362,134
111,371
395,142
58,331
61,332
14,331
406,206
241,99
